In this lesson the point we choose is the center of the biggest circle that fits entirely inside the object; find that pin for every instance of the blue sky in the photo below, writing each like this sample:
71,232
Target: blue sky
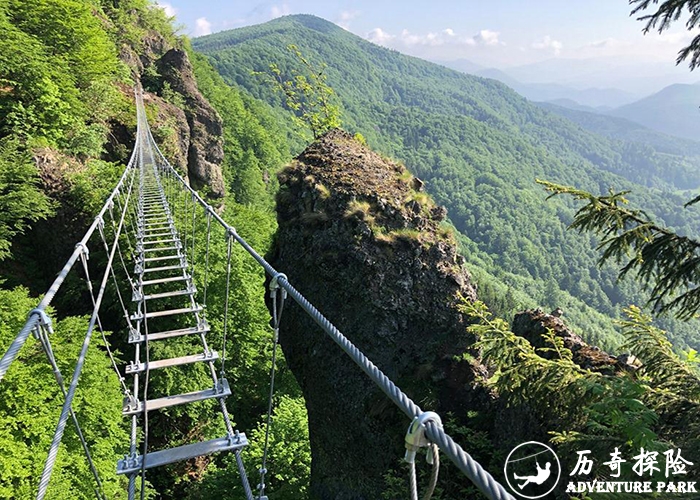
498,33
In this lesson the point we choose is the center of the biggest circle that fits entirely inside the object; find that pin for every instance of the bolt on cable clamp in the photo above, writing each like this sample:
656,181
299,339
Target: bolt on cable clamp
83,249
44,319
415,436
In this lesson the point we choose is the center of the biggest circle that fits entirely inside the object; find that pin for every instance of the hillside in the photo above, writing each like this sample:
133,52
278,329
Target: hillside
479,146
673,110
687,151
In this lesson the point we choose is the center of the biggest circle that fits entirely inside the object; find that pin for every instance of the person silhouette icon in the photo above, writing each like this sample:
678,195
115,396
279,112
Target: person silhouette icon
541,476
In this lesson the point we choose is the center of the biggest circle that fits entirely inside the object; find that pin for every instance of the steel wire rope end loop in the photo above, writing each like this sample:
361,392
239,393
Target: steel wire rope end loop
275,285
415,436
83,249
44,320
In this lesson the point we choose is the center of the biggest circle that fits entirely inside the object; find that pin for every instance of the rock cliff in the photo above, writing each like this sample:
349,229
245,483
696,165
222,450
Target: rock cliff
367,247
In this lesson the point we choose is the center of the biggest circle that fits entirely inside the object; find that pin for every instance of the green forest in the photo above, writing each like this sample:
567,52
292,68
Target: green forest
68,69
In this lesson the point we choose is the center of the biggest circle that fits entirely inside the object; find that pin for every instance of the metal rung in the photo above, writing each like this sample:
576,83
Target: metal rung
160,226
166,280
202,329
157,242
165,295
161,249
157,235
167,312
181,453
163,257
165,363
164,268
132,407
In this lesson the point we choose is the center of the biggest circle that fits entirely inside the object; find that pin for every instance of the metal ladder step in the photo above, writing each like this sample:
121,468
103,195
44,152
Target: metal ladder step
167,312
165,363
166,280
159,249
157,242
202,329
162,257
173,267
137,297
181,453
132,407
157,235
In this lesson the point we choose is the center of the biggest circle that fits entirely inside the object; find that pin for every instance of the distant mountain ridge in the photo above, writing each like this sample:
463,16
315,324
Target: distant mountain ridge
673,110
479,146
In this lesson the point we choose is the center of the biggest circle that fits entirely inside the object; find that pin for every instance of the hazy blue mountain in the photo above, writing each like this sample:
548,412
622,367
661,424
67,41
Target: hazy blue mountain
626,130
673,110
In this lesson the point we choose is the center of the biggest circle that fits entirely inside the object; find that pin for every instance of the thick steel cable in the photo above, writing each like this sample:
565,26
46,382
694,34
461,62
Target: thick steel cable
226,303
46,345
470,467
60,428
11,353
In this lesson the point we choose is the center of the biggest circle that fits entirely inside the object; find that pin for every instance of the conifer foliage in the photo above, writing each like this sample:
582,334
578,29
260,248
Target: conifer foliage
666,262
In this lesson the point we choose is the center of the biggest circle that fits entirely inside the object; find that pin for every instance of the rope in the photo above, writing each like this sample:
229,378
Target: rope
471,468
206,264
276,318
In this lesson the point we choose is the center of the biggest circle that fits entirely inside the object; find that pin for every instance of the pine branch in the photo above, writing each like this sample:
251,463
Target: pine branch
667,264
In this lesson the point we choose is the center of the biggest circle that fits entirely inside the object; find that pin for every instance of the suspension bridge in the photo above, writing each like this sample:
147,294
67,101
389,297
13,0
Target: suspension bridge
151,209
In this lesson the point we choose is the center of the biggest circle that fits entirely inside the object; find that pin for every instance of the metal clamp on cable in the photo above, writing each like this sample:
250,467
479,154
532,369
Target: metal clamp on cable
100,221
83,249
231,232
415,436
44,319
275,285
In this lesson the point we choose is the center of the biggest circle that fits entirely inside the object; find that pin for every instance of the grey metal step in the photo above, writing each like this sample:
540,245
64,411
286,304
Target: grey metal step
137,297
181,453
162,257
134,407
169,279
174,267
158,242
203,328
157,235
167,312
177,246
165,363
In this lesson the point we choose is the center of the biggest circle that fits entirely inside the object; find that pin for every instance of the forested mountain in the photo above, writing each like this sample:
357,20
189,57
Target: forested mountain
673,110
685,150
480,147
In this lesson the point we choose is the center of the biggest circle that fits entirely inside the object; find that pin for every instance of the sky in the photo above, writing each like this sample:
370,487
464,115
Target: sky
491,33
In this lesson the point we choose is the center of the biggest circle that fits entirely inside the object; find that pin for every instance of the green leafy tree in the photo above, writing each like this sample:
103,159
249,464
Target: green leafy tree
307,94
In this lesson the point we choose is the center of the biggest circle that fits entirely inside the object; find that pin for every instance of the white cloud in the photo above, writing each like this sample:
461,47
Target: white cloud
449,32
169,10
280,10
202,27
346,17
487,37
380,37
547,43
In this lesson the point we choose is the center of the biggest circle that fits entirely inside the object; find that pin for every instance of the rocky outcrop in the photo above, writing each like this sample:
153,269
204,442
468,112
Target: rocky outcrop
360,240
205,152
533,324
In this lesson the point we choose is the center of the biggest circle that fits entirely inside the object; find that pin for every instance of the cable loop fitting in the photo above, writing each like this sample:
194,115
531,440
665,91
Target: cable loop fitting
83,249
415,436
274,282
44,319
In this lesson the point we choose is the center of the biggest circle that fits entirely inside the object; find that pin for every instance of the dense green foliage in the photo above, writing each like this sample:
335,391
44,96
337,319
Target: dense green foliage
657,407
30,402
63,94
480,148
